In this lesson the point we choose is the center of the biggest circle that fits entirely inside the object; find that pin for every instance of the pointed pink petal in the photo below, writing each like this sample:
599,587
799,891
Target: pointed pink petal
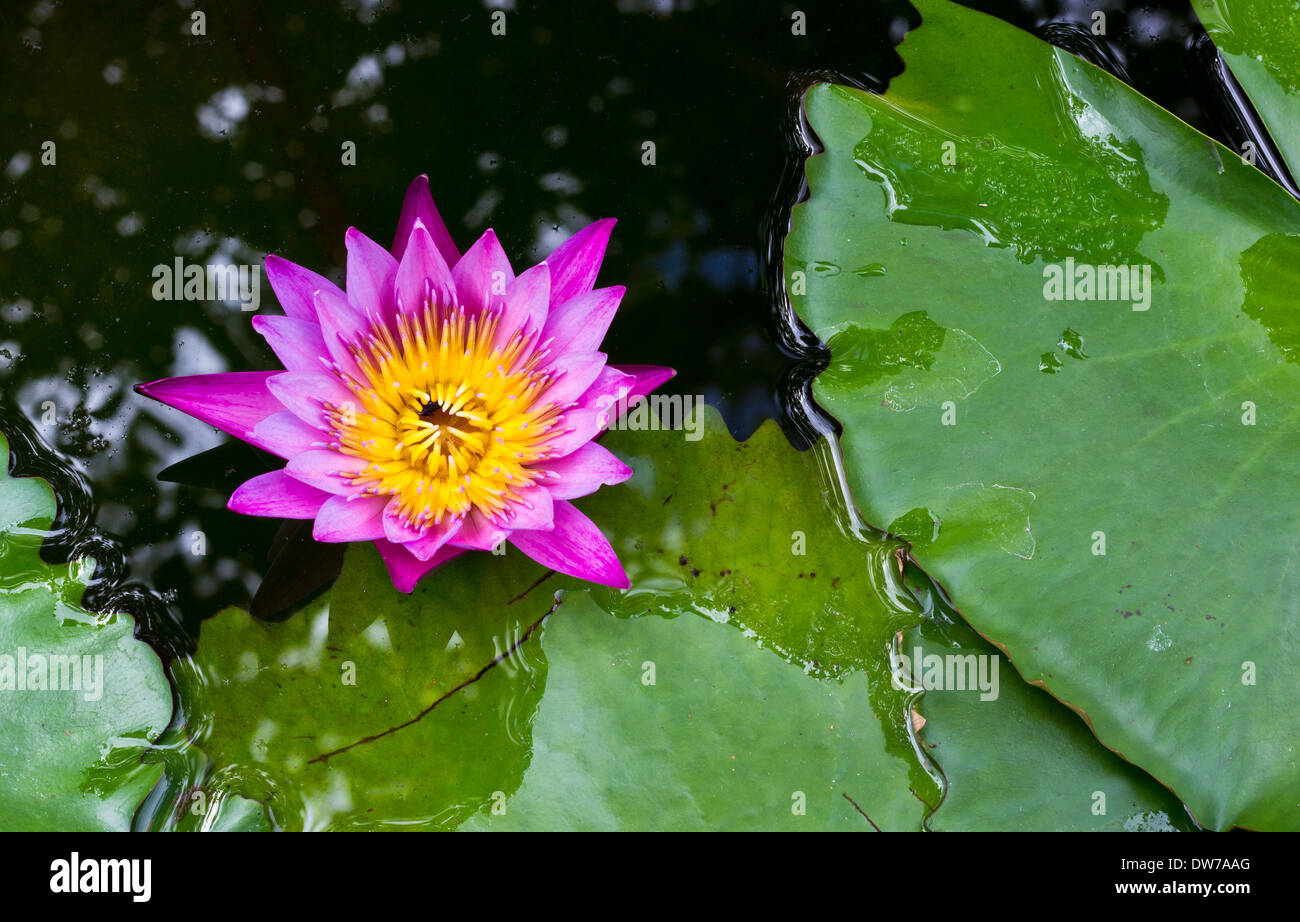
233,401
526,302
343,518
277,495
423,274
482,274
296,343
405,569
310,394
648,377
575,547
341,326
576,261
576,372
419,206
434,538
536,512
371,273
286,435
327,470
295,286
580,323
585,471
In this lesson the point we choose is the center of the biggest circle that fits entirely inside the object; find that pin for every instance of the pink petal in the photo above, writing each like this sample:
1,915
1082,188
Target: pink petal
277,495
580,323
576,261
405,569
342,326
575,547
435,538
295,287
397,527
419,206
310,394
576,428
286,435
526,302
296,343
327,470
648,377
482,274
233,401
576,372
344,518
535,512
423,274
585,471
371,272
477,532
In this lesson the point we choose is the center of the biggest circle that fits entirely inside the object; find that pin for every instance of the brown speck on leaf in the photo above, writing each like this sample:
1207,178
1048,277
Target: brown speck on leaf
666,498
682,560
694,572
917,721
1188,661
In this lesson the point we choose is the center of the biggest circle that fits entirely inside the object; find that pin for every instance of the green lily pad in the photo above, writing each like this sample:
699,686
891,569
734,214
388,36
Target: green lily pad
1015,759
80,697
768,636
1260,41
1116,519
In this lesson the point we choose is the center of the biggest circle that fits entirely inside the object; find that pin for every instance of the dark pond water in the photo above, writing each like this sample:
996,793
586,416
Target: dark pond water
224,147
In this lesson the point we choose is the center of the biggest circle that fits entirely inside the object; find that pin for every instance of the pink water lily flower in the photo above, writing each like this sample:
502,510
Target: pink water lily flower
440,404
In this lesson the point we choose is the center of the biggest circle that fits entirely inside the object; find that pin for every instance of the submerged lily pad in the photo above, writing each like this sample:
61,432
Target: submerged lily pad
757,626
80,697
1119,527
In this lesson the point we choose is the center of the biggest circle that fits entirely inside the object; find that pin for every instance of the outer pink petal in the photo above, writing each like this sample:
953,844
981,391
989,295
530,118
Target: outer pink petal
585,471
483,274
648,377
576,262
295,286
310,394
575,547
419,206
423,274
576,428
371,273
296,343
405,569
344,518
278,495
286,435
526,302
233,401
580,323
327,470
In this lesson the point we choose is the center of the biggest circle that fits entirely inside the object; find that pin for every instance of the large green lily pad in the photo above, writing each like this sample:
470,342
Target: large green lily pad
80,697
757,626
1106,492
1015,758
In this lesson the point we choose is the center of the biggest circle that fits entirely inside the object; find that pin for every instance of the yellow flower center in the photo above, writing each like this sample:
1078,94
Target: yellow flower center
448,421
